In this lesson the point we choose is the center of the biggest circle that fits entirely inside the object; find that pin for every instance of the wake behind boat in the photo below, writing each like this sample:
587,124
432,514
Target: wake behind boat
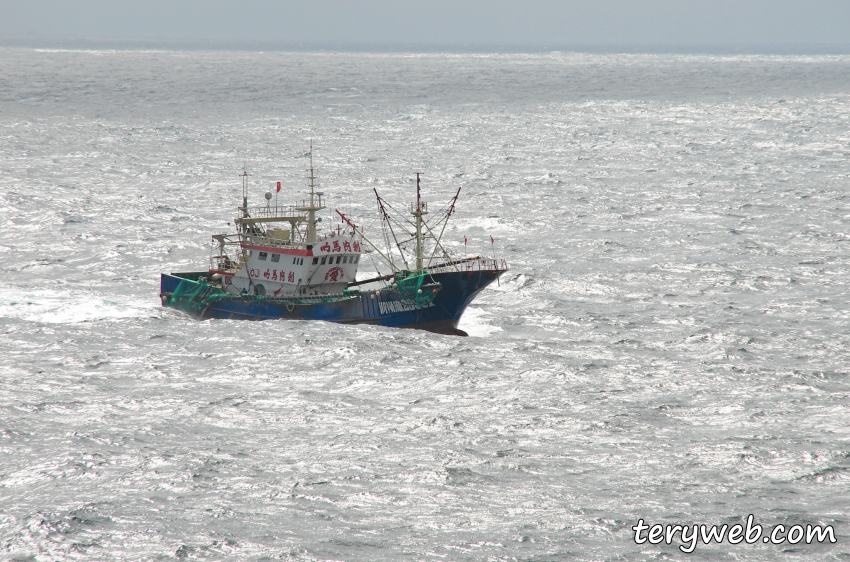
277,265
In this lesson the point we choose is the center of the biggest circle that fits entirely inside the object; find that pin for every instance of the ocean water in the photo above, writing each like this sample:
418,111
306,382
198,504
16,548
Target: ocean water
670,343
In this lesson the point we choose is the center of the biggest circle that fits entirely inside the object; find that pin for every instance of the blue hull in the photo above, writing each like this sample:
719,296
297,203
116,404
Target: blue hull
389,308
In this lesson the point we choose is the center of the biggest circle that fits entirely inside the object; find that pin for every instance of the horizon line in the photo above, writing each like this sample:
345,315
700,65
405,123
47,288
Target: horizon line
75,43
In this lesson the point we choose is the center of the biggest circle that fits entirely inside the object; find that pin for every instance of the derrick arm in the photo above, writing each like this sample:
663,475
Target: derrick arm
446,222
389,224
360,232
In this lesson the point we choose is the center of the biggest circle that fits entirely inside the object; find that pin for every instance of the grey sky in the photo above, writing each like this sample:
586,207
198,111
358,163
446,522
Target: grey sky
530,23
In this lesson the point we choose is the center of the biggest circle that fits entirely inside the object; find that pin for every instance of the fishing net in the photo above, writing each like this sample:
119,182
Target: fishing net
411,289
195,297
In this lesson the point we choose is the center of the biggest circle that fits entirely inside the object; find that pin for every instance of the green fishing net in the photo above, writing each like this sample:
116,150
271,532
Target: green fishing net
411,289
195,297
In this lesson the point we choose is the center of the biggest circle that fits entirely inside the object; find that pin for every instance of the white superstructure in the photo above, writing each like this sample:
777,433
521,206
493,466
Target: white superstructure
278,250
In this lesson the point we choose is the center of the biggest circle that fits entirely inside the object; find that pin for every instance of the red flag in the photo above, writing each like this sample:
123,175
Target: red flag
491,240
464,240
278,186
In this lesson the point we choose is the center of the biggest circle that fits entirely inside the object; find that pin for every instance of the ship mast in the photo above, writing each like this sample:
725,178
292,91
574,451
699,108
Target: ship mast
420,208
423,229
244,207
315,204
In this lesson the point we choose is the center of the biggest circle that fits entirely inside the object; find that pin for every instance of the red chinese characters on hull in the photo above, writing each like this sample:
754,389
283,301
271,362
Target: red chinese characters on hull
346,246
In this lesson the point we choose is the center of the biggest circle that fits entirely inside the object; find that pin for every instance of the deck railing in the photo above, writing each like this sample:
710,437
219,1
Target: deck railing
480,264
271,241
273,211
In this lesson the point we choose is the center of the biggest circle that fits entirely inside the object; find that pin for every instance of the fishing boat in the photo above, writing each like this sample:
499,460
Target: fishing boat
279,264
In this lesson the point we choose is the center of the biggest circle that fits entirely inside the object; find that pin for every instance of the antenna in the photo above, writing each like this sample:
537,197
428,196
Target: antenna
313,204
312,174
244,177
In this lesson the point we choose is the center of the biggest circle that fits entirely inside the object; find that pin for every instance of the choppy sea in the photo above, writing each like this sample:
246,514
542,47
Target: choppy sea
670,343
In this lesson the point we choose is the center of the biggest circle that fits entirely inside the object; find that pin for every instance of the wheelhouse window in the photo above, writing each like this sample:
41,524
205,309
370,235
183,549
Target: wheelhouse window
338,259
263,256
315,261
275,258
323,259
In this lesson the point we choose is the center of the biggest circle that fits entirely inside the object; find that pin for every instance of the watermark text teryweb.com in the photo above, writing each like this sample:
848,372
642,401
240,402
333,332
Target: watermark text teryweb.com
749,533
